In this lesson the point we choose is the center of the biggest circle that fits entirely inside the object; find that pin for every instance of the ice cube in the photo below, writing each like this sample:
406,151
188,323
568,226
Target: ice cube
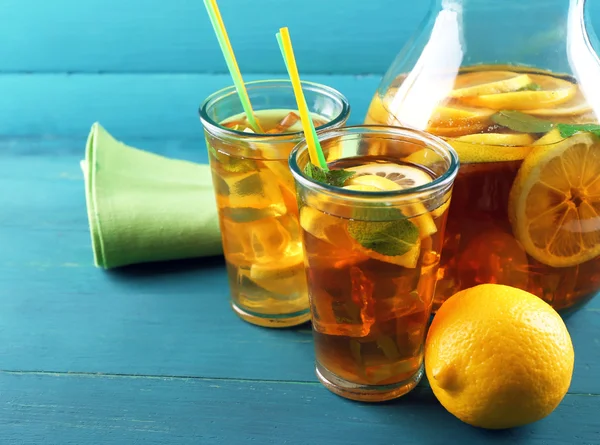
284,125
251,196
283,174
264,240
342,302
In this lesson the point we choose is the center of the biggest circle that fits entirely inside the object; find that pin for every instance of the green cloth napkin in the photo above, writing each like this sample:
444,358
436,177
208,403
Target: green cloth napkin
143,207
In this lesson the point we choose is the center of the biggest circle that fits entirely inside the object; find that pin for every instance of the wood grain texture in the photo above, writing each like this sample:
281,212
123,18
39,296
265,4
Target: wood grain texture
333,36
59,313
76,409
149,106
176,37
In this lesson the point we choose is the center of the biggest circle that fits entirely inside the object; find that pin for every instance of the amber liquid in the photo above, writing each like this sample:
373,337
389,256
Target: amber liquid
479,245
369,314
258,216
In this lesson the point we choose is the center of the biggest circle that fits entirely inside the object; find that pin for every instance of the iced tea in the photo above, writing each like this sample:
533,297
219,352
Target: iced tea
257,208
526,204
372,248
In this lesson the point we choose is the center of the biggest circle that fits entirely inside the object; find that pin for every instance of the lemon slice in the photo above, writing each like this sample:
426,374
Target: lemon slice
576,106
552,137
388,176
492,147
281,276
554,91
554,204
362,188
512,139
448,114
378,112
392,176
425,157
488,82
441,209
395,242
460,129
332,230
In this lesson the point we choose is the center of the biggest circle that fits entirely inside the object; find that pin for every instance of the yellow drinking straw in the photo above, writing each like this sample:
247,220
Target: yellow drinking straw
234,70
314,147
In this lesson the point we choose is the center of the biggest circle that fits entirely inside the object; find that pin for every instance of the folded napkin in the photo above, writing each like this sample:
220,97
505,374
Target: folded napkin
143,207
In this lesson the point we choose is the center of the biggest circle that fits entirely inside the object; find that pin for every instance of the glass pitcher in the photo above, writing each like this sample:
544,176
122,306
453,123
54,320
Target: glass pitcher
514,87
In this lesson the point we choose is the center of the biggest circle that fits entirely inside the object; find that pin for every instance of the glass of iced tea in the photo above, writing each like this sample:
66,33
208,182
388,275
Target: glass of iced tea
255,194
373,228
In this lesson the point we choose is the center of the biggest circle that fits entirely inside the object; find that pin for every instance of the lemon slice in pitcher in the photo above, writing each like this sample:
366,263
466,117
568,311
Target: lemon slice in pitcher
554,204
492,147
551,91
488,82
453,114
575,106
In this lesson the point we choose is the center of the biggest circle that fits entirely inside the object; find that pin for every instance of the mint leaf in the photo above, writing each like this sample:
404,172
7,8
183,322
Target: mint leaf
316,173
336,178
524,123
531,87
521,122
568,130
390,238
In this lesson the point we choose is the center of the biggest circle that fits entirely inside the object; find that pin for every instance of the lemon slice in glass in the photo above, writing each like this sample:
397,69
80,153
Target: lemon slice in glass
390,176
554,204
552,92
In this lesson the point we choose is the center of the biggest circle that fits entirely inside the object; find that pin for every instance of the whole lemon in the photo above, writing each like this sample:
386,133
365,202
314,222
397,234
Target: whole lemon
498,357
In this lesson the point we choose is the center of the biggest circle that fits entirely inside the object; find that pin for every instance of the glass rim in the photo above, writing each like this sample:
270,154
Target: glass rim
429,139
217,129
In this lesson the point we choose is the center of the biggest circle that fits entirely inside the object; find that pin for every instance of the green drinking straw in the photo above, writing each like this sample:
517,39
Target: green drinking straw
221,33
315,150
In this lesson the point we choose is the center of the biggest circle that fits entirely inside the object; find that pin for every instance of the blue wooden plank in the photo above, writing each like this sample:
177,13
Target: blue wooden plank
155,36
75,409
151,106
334,36
59,313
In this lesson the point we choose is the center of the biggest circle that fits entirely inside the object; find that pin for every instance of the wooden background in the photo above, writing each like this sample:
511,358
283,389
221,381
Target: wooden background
141,67
153,354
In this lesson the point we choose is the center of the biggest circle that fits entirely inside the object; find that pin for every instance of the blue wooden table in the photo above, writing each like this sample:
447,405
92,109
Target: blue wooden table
152,354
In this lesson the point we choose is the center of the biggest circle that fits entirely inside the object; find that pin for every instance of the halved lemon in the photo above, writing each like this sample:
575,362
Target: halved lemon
553,91
554,204
492,147
488,82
